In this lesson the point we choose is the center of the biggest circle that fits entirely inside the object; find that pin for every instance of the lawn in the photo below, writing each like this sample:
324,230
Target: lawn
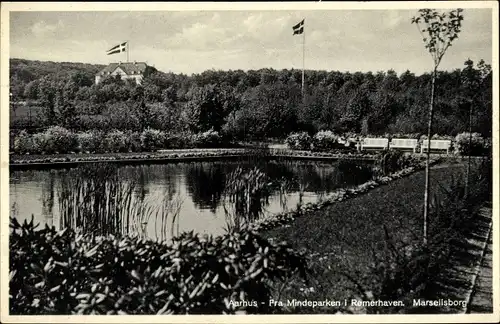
341,240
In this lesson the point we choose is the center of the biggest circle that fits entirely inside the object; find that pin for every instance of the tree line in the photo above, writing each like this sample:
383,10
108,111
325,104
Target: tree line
257,104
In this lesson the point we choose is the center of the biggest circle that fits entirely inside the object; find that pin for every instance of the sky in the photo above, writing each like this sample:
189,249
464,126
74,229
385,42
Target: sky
195,41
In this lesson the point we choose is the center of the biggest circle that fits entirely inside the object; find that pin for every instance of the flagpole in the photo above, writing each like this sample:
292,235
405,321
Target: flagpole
128,50
303,58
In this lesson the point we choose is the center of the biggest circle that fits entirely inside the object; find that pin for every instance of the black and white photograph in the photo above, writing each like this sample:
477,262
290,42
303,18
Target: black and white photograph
240,162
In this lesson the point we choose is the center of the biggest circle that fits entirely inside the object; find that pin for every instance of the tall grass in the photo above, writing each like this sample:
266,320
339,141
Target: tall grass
93,198
96,199
245,195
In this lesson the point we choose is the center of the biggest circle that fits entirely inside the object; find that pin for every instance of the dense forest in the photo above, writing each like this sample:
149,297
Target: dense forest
265,103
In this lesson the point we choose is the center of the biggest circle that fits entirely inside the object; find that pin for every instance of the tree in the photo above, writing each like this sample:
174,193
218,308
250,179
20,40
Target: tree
65,110
169,95
47,95
439,32
31,90
208,106
143,113
82,79
473,80
271,109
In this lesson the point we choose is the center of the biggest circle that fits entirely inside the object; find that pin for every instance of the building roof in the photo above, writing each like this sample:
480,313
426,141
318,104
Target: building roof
129,68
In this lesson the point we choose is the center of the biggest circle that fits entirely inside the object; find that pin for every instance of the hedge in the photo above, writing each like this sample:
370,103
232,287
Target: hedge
60,140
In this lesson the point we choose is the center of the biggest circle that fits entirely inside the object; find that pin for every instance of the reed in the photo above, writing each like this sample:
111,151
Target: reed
245,195
96,199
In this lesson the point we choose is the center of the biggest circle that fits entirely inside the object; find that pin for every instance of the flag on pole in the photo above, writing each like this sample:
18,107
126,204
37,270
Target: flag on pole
117,49
299,28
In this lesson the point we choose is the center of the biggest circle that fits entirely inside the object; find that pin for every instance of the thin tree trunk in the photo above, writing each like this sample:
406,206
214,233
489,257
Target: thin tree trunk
469,151
427,164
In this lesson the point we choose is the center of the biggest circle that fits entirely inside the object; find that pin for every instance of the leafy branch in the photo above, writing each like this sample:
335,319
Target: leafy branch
438,30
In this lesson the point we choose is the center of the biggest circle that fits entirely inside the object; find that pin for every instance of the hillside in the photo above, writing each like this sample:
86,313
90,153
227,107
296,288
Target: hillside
24,71
264,103
27,70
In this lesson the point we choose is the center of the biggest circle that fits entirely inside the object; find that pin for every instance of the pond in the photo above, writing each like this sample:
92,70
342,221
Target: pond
159,201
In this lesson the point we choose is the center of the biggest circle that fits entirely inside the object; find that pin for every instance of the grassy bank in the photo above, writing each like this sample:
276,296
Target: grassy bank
348,243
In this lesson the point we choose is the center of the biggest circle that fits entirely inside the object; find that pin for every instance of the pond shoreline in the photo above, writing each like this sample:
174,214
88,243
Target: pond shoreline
50,161
24,162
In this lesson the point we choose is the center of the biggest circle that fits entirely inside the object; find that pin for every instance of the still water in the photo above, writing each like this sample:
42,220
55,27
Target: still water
194,194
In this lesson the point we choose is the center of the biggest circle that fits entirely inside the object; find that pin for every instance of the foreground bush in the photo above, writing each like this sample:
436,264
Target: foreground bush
66,273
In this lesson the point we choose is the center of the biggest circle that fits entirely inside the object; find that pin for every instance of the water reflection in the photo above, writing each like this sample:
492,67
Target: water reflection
48,195
159,201
205,184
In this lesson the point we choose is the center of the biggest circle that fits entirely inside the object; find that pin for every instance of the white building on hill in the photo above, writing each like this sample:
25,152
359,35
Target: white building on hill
130,70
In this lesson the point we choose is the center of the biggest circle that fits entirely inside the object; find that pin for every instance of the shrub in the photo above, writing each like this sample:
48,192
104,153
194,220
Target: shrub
178,141
393,160
209,138
326,140
64,273
61,139
152,139
23,143
116,141
90,141
41,144
134,141
476,146
351,135
55,139
488,146
299,141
